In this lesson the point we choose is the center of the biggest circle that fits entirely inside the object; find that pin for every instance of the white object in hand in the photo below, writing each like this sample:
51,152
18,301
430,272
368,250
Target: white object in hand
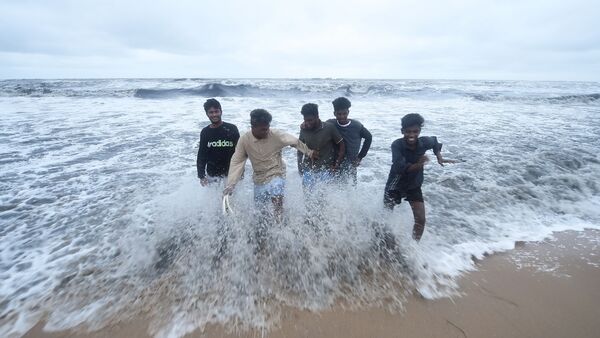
226,207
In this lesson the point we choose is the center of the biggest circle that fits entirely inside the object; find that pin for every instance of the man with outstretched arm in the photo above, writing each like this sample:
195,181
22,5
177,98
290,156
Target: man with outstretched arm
263,145
406,174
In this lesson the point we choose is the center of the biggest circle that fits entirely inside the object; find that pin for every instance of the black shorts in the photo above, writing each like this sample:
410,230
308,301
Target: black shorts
391,198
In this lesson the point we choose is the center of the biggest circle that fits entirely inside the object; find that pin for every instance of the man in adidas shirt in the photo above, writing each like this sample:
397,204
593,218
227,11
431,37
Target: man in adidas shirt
217,145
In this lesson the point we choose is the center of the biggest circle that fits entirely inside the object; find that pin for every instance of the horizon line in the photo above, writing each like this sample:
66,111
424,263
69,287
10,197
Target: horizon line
288,78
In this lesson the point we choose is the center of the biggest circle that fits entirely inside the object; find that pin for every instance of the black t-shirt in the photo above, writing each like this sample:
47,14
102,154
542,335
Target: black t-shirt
403,157
217,145
353,133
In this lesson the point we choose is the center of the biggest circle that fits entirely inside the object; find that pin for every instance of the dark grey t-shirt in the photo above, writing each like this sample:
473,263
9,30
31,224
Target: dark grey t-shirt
353,133
399,179
322,139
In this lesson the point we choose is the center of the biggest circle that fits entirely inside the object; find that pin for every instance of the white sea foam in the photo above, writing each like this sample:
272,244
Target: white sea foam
102,217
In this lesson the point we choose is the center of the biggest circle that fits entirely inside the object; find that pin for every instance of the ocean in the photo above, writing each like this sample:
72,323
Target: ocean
103,219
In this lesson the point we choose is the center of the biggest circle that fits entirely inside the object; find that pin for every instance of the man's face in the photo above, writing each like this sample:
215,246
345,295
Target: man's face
311,122
411,134
342,115
214,115
260,131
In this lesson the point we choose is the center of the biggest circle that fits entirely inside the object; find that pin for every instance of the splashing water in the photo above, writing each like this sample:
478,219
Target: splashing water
103,220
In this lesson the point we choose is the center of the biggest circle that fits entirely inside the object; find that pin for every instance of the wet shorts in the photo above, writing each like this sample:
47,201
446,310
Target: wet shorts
312,178
390,198
264,192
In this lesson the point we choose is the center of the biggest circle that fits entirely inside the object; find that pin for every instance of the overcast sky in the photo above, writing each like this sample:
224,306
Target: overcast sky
463,39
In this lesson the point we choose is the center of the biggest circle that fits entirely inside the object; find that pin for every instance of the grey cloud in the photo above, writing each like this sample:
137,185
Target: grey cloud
378,38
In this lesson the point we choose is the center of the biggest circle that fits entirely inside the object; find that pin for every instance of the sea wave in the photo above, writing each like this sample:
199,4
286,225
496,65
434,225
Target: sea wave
240,90
575,98
479,91
585,98
207,90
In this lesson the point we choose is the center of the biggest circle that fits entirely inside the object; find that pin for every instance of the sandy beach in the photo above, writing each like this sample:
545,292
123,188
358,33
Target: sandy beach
540,289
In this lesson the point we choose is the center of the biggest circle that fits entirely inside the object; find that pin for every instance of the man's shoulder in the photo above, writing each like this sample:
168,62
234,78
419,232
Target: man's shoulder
331,126
247,135
230,125
399,142
277,132
356,123
329,123
427,141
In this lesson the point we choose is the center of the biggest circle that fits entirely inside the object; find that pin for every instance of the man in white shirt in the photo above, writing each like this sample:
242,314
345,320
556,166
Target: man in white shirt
263,145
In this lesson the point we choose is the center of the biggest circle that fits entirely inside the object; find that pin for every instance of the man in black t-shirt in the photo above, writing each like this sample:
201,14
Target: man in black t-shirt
406,174
217,145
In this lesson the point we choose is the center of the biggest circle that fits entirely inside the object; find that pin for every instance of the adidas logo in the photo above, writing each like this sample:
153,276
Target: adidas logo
220,143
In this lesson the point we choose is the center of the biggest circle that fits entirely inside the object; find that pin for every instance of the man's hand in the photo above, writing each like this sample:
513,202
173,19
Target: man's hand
422,161
441,160
228,190
314,155
335,166
204,181
419,165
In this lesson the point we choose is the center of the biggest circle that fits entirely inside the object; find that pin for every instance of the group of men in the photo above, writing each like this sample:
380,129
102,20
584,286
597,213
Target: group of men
327,151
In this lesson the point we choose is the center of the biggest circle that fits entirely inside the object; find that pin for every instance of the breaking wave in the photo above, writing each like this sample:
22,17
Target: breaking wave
484,91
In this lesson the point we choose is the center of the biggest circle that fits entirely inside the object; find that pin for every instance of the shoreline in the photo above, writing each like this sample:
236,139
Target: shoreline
539,289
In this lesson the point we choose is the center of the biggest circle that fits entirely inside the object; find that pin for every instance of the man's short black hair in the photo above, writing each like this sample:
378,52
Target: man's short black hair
259,117
310,109
411,120
211,103
341,103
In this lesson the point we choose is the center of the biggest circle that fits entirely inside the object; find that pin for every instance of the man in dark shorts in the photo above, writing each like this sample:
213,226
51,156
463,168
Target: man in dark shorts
406,174
217,145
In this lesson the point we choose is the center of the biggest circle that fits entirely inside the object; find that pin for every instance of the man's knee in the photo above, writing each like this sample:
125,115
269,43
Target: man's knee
389,201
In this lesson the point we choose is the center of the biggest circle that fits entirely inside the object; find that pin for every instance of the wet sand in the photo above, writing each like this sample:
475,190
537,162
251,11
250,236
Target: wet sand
540,289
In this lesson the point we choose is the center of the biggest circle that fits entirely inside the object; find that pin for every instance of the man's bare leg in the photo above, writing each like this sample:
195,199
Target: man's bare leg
278,208
418,209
